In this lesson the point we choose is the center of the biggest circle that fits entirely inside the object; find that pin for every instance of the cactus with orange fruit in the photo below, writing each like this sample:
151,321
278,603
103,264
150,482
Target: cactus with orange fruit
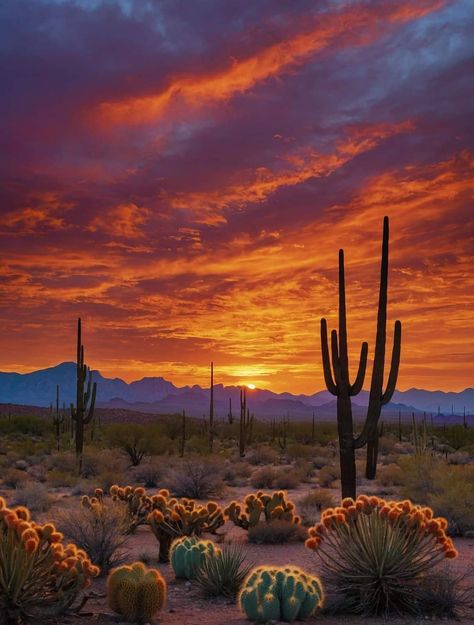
135,592
38,573
272,507
138,505
172,518
376,551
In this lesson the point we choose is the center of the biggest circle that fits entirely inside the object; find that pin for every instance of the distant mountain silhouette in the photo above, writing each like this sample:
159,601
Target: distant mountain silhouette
157,395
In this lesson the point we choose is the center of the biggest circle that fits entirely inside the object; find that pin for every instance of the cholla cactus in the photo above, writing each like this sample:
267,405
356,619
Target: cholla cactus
138,503
38,572
188,553
275,506
280,594
135,592
172,518
368,545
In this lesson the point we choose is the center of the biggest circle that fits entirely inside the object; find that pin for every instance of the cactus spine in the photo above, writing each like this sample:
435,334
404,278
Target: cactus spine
135,592
83,413
187,555
280,594
341,387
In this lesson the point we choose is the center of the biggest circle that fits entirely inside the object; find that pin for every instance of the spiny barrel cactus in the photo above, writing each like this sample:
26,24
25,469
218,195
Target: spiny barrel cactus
275,506
188,553
37,572
369,545
280,594
172,518
135,592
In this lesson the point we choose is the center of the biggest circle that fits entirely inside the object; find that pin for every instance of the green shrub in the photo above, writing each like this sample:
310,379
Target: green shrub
224,574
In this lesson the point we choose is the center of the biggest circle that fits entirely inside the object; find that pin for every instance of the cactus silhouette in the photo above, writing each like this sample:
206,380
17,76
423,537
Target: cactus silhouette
245,424
187,555
135,592
280,594
340,384
83,413
58,419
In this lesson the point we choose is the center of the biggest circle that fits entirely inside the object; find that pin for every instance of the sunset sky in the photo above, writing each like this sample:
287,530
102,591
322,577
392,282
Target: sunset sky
182,173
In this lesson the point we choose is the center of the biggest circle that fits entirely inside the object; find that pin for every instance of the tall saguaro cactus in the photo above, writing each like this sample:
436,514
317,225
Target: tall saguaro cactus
338,381
58,419
245,424
211,411
83,413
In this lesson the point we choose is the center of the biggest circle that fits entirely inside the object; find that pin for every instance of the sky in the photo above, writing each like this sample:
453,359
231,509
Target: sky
181,174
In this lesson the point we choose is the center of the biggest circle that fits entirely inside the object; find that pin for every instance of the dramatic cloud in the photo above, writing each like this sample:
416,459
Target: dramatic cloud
182,176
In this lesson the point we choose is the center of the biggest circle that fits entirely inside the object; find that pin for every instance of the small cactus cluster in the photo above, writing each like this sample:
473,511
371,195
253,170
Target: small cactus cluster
172,518
280,594
37,571
138,504
275,506
135,592
187,555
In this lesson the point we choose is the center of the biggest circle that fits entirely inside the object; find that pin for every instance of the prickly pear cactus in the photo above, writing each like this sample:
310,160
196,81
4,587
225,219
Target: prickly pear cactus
135,592
280,593
188,554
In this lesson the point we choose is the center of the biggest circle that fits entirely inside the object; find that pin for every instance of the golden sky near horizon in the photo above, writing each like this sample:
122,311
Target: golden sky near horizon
187,193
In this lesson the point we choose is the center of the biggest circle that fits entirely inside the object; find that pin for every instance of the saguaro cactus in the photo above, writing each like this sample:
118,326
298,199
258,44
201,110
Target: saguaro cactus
245,425
83,413
183,435
211,411
58,419
341,387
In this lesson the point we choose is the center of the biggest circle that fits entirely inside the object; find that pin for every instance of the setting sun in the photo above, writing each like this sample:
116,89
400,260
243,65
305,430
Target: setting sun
251,386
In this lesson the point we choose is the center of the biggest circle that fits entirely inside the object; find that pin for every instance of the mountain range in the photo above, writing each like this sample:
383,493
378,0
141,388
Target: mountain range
160,396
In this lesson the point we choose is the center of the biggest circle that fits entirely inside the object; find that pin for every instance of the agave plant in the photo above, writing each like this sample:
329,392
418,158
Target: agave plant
224,573
38,573
375,553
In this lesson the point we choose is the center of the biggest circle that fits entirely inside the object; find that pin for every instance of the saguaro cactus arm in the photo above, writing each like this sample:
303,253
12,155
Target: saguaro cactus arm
330,384
394,365
356,388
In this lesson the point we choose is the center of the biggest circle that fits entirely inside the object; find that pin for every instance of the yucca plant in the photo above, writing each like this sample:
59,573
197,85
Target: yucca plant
375,553
224,573
38,574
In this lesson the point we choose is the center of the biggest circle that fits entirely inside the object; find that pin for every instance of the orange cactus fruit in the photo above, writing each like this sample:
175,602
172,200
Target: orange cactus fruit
211,506
374,501
313,543
31,545
451,553
22,513
347,502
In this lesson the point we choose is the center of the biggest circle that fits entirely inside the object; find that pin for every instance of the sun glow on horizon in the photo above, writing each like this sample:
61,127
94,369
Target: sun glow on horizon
251,386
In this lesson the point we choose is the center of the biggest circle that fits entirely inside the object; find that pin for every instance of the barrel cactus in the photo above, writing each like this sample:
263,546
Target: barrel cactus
188,554
135,592
280,594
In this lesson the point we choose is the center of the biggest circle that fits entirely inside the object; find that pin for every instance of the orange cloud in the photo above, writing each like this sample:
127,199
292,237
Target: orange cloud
124,220
357,25
44,212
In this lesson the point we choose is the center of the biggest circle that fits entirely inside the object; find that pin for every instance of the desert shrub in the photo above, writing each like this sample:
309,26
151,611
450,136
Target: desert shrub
313,503
275,532
263,454
453,497
62,461
133,439
34,496
374,553
445,594
263,478
97,528
95,462
305,468
59,479
39,573
329,474
298,450
150,473
196,478
224,574
286,479
25,425
14,478
390,475
237,473
271,594
106,479
418,478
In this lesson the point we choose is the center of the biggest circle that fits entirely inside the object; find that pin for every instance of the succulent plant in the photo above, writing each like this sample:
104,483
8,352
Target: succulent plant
135,592
275,506
37,571
172,518
280,594
138,503
376,551
188,553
